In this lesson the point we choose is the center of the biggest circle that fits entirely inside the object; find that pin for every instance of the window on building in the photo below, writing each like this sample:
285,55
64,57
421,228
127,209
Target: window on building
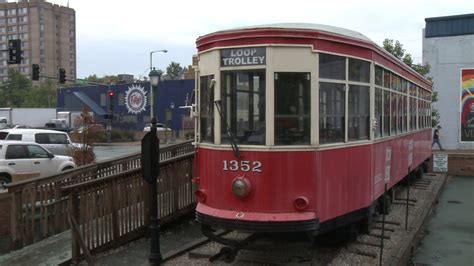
332,66
206,112
11,12
11,28
2,21
331,112
23,19
11,20
243,106
2,13
292,108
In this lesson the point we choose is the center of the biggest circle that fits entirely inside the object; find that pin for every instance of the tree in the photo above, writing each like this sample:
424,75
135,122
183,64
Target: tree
106,79
15,90
42,95
396,49
173,71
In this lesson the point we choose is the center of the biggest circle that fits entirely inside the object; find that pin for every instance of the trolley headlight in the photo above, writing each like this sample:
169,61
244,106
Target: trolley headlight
241,187
301,203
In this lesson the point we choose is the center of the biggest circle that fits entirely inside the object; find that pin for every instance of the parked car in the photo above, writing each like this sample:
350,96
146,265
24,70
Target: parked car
55,141
20,159
159,127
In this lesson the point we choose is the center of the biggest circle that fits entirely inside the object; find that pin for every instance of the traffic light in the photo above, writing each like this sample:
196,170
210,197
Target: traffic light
62,76
14,51
36,72
111,101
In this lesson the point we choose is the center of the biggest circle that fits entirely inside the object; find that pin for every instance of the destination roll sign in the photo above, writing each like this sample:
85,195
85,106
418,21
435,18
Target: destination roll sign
243,57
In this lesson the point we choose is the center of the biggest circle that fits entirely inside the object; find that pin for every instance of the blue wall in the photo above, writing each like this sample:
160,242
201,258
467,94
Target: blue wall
168,92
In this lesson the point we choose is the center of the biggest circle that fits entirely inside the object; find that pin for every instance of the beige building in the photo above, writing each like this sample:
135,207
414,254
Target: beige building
48,35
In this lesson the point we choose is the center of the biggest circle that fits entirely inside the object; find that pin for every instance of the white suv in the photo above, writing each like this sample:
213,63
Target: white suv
20,160
55,141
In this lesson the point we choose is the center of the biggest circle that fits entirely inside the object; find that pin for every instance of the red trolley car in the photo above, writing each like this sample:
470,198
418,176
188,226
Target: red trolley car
301,125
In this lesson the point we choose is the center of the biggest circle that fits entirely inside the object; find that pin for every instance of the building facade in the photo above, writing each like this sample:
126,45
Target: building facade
48,35
448,47
130,104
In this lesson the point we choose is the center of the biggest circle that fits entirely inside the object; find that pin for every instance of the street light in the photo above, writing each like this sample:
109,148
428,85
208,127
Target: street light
156,80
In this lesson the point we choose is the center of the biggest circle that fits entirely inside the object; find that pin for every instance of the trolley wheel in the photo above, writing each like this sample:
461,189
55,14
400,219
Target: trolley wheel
419,172
369,221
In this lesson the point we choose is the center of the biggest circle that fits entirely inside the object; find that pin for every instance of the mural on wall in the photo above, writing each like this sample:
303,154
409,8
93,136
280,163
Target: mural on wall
136,99
467,104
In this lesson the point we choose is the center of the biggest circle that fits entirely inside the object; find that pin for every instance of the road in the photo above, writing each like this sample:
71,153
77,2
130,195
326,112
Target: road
108,152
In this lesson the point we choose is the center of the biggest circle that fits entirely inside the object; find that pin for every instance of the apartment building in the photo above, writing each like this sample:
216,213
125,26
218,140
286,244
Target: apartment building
48,37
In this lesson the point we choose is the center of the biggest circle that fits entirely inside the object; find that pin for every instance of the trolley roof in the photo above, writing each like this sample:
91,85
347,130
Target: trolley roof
303,26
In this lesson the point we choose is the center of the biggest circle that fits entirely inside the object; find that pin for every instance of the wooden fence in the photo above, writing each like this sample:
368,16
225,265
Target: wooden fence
108,212
39,209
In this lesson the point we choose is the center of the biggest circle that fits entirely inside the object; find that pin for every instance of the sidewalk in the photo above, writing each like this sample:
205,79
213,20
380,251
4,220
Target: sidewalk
57,249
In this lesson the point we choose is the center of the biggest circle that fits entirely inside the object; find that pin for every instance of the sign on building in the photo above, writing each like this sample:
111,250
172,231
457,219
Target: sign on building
467,105
440,163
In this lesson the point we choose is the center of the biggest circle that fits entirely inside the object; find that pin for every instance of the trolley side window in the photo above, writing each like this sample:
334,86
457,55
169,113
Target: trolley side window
243,106
331,112
379,112
292,108
206,112
358,126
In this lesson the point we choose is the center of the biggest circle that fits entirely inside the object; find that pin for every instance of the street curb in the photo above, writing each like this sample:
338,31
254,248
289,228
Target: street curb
403,253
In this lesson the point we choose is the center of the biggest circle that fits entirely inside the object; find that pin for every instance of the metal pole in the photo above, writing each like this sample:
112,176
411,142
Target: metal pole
151,87
408,198
155,253
383,222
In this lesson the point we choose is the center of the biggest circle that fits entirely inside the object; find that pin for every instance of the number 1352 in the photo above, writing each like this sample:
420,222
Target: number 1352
244,166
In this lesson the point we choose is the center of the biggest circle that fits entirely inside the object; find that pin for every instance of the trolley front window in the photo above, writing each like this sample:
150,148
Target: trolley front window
243,106
206,109
292,108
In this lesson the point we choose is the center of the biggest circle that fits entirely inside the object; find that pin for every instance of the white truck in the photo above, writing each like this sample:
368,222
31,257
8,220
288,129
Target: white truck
32,117
72,118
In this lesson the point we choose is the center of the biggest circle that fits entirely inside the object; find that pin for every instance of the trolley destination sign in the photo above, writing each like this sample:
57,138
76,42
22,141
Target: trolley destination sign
243,57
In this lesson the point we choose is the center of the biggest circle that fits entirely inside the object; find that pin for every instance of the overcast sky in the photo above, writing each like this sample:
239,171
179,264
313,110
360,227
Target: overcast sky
116,37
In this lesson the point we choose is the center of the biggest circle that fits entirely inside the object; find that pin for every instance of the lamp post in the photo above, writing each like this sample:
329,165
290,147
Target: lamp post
157,75
171,123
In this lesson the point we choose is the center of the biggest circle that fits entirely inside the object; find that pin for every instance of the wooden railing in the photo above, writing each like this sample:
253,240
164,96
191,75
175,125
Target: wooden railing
39,208
109,211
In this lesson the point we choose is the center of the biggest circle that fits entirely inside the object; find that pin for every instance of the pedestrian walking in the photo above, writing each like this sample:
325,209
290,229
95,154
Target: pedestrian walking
436,135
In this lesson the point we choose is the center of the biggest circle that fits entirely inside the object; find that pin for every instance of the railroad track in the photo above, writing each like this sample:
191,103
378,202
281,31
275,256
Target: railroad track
295,249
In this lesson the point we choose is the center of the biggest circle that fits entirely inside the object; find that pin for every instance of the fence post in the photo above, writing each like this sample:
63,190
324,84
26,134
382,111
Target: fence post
15,218
115,209
74,213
